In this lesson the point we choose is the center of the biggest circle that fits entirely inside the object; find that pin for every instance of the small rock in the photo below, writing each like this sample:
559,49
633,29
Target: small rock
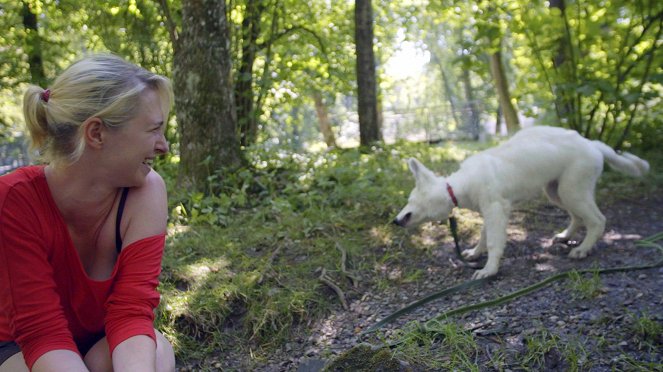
529,331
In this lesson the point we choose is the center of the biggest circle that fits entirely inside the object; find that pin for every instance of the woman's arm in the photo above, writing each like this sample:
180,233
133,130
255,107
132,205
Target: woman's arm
29,300
130,308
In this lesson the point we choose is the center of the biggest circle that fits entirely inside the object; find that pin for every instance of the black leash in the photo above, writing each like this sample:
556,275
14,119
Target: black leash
446,292
453,226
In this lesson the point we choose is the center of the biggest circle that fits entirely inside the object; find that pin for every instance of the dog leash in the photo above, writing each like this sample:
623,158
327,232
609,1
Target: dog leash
453,226
647,242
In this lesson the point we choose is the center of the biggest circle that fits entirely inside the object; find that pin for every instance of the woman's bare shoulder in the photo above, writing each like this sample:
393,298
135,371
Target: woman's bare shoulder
146,210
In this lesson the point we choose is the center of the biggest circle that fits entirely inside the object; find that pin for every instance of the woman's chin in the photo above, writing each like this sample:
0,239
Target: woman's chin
146,169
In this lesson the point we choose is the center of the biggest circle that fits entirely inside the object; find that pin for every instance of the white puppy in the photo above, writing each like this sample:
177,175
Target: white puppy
561,162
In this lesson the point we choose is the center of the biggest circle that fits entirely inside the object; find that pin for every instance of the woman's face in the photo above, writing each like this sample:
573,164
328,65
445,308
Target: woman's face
133,147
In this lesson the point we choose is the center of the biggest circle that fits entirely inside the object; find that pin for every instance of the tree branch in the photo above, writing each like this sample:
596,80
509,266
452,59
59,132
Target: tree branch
170,24
289,31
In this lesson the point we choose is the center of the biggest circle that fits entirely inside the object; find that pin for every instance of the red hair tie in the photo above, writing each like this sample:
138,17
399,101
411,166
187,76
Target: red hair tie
45,95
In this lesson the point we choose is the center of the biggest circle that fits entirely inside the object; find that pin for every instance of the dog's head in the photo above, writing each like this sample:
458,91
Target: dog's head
429,201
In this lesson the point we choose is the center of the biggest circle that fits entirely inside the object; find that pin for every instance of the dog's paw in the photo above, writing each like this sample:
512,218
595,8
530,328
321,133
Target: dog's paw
484,273
560,238
578,253
471,254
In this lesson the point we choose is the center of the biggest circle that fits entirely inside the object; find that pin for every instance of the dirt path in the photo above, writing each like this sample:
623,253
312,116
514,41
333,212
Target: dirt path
598,329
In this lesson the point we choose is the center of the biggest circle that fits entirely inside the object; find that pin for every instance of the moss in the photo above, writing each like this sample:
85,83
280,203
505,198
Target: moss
365,357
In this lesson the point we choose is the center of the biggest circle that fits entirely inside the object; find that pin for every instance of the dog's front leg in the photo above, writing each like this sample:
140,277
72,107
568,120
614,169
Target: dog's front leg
474,253
496,218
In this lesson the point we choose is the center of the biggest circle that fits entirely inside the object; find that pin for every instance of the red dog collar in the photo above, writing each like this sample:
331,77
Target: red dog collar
451,194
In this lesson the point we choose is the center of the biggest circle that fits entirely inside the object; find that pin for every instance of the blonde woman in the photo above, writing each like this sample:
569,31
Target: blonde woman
82,237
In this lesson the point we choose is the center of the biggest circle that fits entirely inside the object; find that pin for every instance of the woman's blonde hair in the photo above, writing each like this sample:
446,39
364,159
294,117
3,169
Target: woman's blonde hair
100,85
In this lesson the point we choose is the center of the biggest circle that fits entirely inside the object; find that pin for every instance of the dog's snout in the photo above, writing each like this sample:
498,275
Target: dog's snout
403,221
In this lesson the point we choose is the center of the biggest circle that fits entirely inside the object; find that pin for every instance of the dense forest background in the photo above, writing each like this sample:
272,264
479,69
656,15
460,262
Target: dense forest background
292,122
291,73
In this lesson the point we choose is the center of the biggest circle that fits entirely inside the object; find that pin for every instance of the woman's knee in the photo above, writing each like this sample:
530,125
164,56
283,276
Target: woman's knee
15,363
99,358
165,354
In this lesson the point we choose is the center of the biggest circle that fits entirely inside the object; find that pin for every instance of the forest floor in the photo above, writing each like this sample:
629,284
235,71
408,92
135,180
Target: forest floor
594,322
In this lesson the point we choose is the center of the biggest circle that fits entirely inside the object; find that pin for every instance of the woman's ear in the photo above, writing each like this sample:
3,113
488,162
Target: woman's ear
93,132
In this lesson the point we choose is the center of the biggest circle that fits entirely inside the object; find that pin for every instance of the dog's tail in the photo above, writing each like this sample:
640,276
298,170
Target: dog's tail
625,162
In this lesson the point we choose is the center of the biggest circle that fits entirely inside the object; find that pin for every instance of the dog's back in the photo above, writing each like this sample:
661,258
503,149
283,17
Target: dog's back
531,159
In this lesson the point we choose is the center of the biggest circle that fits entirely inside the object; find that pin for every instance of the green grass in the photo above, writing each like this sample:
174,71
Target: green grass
585,287
440,346
544,346
647,332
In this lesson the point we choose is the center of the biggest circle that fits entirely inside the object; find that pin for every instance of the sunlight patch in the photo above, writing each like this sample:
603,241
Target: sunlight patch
544,267
382,234
610,236
200,271
175,230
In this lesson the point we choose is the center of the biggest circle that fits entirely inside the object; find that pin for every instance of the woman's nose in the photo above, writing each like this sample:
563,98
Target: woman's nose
162,145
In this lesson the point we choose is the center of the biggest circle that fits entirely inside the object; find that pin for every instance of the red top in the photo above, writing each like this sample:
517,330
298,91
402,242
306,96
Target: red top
47,301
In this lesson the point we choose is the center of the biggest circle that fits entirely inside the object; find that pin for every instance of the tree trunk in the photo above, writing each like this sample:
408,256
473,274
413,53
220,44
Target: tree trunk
323,120
246,115
563,64
502,87
471,106
369,130
204,98
450,96
33,47
498,120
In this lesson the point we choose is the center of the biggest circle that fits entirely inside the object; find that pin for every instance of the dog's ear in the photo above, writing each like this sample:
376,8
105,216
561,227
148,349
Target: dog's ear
418,169
415,166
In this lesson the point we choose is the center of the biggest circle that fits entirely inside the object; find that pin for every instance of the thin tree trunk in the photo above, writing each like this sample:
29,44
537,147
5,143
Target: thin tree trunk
369,130
498,120
323,120
471,105
502,87
450,96
246,115
563,63
33,46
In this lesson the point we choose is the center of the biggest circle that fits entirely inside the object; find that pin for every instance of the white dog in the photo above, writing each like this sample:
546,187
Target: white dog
561,162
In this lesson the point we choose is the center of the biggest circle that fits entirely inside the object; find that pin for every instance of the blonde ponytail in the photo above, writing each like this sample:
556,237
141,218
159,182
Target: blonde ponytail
35,117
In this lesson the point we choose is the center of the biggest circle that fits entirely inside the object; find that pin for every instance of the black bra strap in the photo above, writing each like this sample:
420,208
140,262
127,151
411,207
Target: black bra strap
118,219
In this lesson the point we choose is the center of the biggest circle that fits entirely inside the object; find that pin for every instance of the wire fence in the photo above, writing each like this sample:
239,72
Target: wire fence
13,155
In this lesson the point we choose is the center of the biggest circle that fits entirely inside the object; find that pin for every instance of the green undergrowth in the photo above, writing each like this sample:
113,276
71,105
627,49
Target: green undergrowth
243,262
